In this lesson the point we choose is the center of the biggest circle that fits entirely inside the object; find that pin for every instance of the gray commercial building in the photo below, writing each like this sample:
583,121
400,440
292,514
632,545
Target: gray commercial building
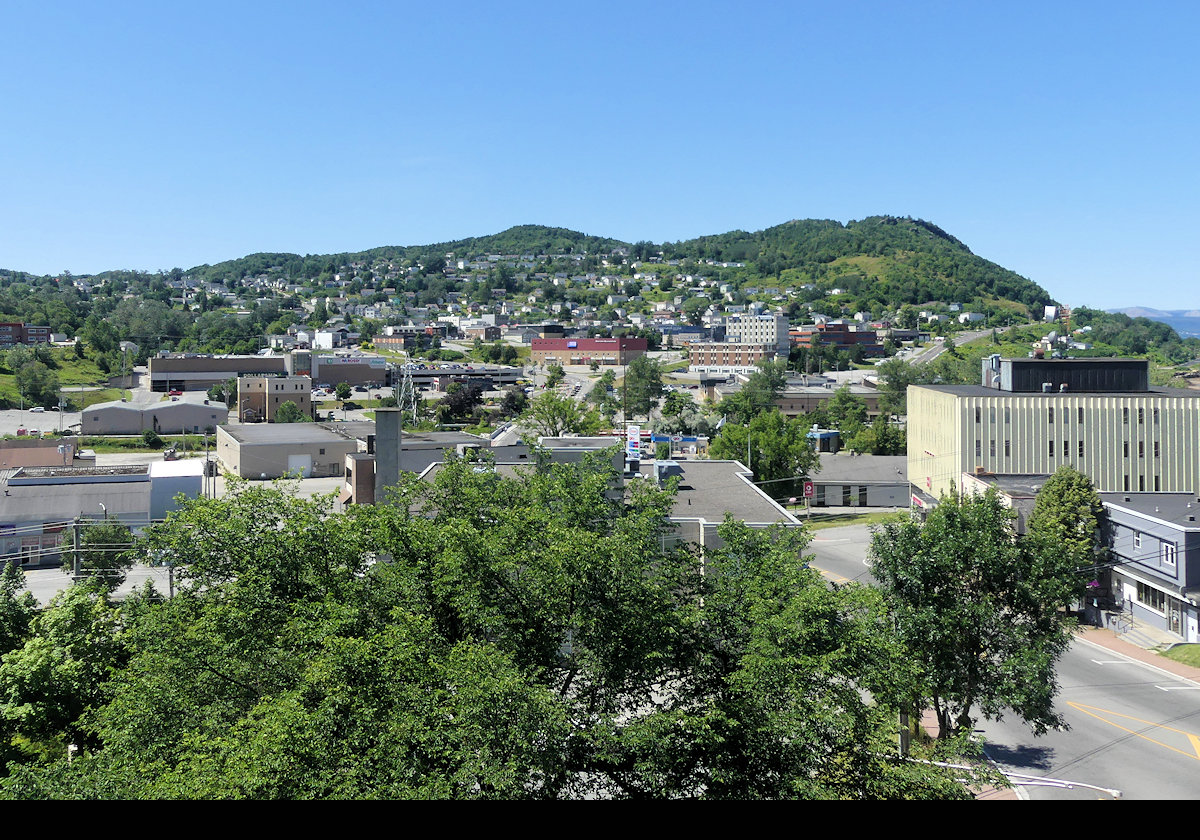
270,450
172,417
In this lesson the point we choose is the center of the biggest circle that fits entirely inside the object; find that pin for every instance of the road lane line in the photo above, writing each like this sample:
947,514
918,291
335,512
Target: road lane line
1178,687
1192,739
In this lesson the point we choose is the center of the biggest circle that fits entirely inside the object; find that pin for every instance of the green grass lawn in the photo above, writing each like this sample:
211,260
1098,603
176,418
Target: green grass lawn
819,521
1185,654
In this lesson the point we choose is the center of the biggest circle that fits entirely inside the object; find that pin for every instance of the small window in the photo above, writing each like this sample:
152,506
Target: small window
1081,415
1050,414
1154,416
978,414
1051,449
1168,552
1156,449
1141,416
1141,484
1156,483
1007,448
978,448
1007,414
1126,483
992,448
1080,449
1137,536
1125,448
1141,449
322,451
1125,416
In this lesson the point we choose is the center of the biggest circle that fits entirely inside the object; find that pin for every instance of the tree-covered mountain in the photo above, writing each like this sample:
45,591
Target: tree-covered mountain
884,259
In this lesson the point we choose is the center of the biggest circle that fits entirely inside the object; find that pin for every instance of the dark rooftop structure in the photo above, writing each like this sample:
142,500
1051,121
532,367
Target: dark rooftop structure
1066,375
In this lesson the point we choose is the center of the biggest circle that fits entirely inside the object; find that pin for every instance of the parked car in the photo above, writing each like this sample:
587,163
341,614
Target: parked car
175,393
37,409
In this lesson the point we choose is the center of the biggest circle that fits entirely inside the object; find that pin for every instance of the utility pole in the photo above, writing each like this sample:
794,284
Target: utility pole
75,563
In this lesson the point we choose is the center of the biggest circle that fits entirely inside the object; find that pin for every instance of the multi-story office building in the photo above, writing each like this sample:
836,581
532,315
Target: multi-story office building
1031,416
725,357
759,329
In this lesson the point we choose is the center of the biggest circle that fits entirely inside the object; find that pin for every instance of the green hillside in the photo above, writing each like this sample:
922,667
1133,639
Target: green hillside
881,260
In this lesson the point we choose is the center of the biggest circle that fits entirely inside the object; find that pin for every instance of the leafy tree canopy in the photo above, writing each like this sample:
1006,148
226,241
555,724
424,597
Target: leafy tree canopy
980,609
534,637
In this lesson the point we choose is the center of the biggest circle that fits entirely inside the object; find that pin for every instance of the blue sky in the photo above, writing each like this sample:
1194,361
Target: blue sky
1059,140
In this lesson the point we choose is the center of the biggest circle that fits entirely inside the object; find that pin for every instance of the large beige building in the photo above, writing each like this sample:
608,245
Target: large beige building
1032,416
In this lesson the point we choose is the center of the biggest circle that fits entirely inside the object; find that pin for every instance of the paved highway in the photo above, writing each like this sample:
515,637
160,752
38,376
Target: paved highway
1133,728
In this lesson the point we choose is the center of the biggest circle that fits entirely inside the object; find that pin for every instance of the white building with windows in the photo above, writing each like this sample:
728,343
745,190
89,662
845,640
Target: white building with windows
1032,416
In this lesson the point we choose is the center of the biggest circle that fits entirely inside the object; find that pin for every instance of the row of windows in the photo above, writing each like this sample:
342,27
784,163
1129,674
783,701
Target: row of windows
1142,484
1141,415
1153,598
1066,447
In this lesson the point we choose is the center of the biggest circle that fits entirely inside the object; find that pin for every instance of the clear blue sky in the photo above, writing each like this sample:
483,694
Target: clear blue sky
1059,140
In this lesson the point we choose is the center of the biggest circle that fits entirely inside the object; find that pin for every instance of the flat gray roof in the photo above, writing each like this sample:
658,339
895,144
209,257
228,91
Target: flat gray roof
1172,508
866,468
981,391
276,433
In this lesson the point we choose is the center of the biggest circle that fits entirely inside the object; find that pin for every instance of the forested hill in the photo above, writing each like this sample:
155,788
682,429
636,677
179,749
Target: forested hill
891,259
878,262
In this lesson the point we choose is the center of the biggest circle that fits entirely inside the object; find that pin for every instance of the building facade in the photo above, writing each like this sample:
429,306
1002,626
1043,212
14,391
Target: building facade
759,329
1129,437
1155,542
582,351
260,397
192,372
728,357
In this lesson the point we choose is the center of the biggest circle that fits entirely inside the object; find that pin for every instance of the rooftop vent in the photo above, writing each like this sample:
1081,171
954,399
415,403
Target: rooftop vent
1047,387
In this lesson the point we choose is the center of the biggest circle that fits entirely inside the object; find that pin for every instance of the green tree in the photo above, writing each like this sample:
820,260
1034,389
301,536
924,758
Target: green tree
342,391
37,384
1068,516
895,375
643,386
554,375
979,609
779,451
104,553
289,412
61,671
530,637
846,411
880,438
18,608
549,415
758,394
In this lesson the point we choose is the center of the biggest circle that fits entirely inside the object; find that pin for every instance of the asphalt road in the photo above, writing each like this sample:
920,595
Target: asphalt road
1133,728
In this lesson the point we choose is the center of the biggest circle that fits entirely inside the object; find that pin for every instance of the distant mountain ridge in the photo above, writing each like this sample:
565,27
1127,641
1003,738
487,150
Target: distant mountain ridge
877,264
1186,322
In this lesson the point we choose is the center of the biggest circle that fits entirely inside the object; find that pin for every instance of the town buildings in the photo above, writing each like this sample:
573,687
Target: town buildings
1100,416
582,351
259,398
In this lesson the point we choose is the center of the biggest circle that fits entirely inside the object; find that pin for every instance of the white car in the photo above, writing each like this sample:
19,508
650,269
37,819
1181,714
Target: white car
37,409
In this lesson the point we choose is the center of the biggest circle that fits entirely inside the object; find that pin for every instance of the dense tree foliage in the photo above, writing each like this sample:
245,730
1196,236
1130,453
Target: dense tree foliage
642,387
980,608
483,637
